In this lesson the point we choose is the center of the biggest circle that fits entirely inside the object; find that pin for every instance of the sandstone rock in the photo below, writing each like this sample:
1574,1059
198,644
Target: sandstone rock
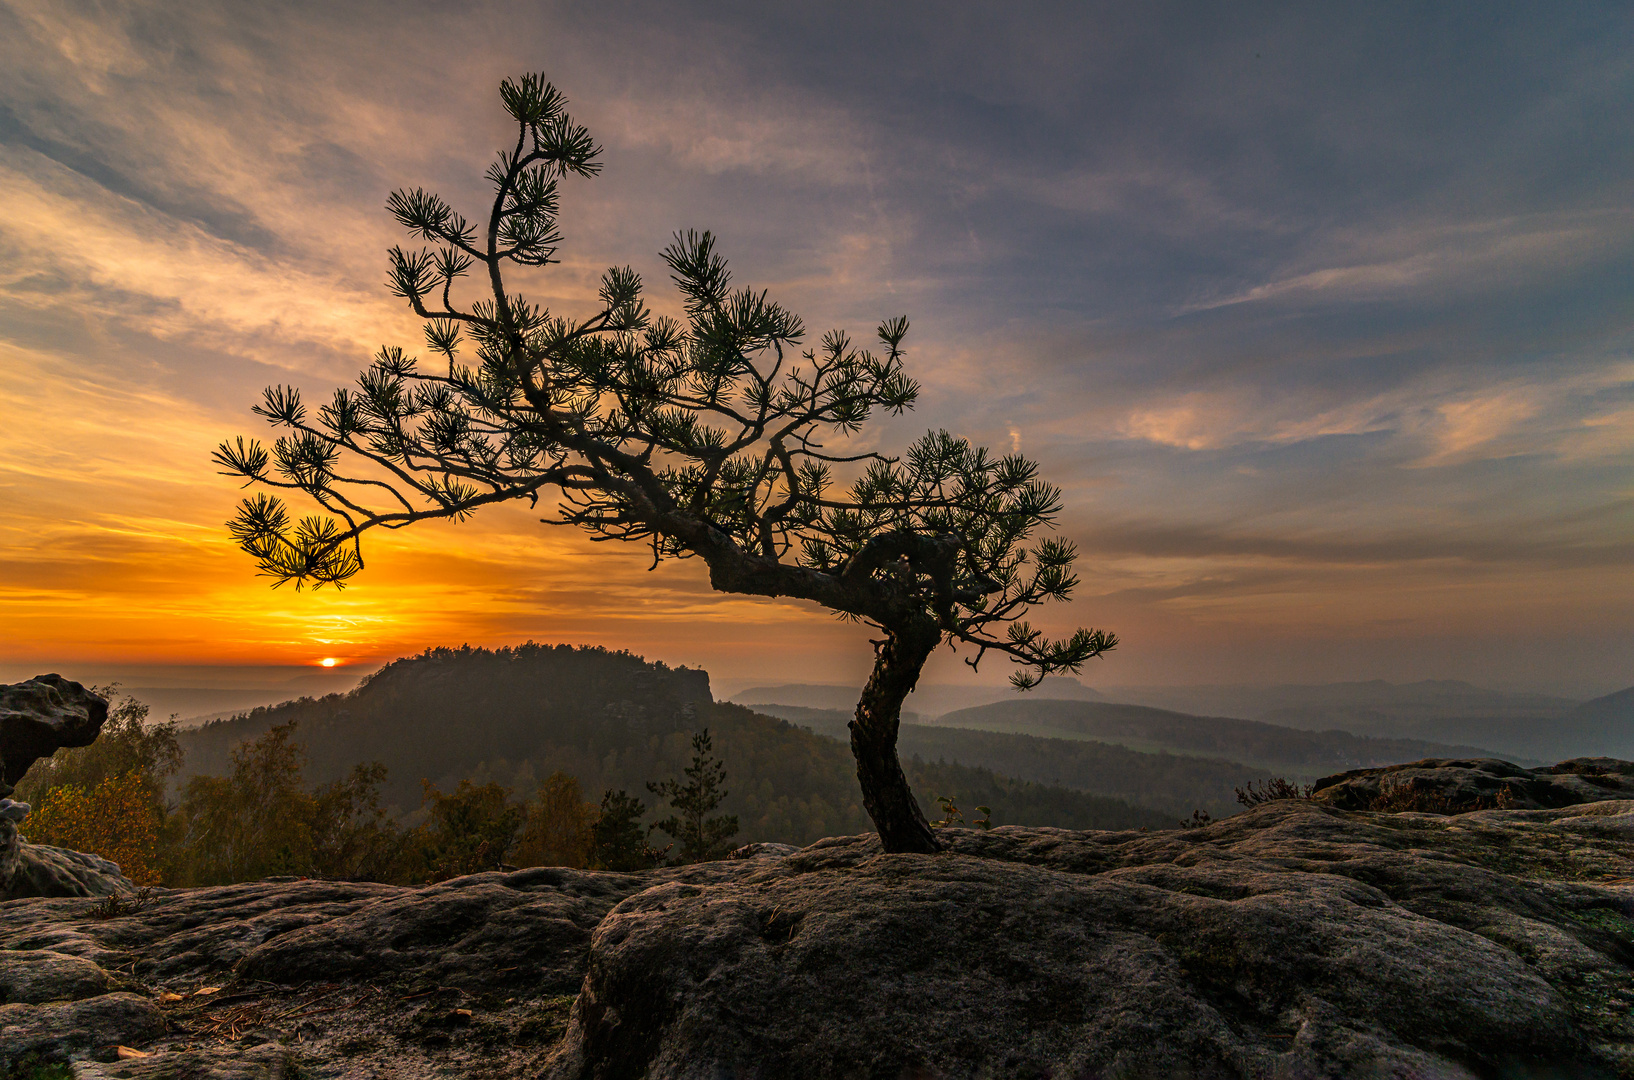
763,851
41,870
466,932
1293,940
265,1062
40,715
1305,943
76,1028
1453,785
35,976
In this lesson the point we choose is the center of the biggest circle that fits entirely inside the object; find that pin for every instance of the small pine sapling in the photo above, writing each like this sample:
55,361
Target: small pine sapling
701,837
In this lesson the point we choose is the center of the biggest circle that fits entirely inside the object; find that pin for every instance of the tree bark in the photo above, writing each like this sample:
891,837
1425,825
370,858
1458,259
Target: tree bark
885,793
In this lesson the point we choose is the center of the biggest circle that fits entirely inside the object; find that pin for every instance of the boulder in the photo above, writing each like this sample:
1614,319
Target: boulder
35,976
41,715
71,1029
1458,785
1291,941
37,718
42,870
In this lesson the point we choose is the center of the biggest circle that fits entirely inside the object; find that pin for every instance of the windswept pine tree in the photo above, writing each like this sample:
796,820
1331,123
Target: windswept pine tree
723,437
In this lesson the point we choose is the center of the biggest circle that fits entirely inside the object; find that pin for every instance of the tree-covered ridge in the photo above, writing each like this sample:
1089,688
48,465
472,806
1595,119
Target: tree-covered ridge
1154,777
444,713
254,800
612,720
1258,743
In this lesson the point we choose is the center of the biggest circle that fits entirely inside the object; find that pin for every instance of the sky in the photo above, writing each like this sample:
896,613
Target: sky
1321,315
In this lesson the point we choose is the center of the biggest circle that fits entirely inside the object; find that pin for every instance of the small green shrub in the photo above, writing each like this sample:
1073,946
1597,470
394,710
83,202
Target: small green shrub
32,1068
953,816
1418,796
1276,788
115,905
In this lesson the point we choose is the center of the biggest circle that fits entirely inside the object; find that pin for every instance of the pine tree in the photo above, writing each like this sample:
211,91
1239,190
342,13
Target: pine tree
701,837
617,841
721,437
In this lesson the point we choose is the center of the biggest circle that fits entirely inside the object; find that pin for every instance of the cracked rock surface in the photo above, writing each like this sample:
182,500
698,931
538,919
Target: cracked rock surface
1293,940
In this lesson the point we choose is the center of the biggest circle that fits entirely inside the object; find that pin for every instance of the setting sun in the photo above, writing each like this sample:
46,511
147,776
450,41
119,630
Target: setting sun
328,661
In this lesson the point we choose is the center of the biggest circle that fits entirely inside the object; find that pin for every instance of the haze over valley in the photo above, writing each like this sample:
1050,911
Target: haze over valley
1064,755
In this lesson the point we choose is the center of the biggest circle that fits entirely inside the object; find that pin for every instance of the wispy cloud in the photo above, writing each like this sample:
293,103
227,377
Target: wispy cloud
1432,260
122,259
1302,309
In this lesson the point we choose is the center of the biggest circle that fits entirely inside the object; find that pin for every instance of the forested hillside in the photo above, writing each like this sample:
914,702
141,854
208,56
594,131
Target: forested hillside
1266,746
1154,757
1176,784
926,701
1517,726
1429,699
612,720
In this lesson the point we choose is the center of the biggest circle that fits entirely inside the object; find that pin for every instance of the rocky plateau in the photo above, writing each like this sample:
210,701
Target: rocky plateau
1333,936
1293,940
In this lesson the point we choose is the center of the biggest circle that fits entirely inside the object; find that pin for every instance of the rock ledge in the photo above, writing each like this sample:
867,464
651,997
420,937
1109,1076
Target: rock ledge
1295,939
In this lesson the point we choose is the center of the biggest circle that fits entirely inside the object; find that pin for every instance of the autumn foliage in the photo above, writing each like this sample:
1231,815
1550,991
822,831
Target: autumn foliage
121,818
556,830
108,797
260,819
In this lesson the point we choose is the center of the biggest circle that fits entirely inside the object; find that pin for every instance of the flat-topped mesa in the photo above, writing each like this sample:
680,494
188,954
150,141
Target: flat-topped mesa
41,715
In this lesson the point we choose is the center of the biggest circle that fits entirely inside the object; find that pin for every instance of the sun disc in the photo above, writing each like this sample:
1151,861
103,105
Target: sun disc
328,661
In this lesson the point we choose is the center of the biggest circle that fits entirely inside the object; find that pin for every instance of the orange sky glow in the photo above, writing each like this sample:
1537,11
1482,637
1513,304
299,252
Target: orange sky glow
1393,438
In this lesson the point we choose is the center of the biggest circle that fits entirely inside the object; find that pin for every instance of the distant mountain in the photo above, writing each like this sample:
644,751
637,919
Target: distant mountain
1176,783
801,695
614,721
829,722
1615,708
926,701
1262,745
1515,726
1310,705
1543,739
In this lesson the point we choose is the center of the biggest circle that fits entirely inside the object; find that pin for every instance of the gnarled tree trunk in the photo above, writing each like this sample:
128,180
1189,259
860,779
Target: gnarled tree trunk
885,794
